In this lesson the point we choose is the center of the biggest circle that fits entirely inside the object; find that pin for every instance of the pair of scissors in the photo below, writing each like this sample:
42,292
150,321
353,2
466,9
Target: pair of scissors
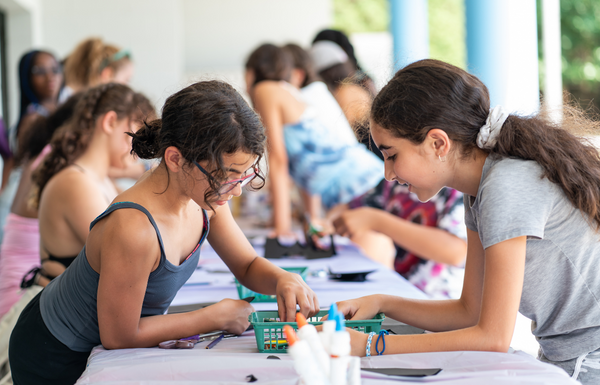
190,342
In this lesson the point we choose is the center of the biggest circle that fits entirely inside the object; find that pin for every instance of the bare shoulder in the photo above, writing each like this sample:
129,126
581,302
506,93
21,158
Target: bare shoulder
127,235
70,186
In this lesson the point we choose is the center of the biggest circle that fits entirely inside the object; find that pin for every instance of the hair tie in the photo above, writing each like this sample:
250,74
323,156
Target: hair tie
488,133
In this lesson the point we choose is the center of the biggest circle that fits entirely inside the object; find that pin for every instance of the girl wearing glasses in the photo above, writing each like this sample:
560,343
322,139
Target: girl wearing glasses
40,79
532,209
146,245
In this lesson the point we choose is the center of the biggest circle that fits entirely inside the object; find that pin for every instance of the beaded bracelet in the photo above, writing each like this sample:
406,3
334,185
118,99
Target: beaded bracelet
381,335
369,343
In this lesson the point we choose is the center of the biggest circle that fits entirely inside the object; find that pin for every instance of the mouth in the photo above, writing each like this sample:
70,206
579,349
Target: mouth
221,203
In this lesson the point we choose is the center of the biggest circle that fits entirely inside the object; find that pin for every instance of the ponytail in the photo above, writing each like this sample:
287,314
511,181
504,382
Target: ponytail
567,160
432,94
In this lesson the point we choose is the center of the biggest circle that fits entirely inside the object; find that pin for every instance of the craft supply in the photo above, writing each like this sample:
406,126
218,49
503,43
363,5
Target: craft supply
267,328
308,333
340,351
328,328
354,370
215,342
304,362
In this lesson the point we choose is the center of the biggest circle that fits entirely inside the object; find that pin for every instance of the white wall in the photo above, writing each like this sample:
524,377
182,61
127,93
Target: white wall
219,35
151,29
23,31
173,42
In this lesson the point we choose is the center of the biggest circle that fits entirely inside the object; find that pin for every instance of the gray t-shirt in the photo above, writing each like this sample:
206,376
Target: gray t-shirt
561,289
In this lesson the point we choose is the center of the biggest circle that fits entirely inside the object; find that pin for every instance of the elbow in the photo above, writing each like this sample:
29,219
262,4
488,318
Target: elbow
112,342
458,255
498,345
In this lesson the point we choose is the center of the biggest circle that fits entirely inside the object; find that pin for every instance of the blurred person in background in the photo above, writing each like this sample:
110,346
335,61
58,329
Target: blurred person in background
342,77
73,183
20,251
325,160
40,80
95,62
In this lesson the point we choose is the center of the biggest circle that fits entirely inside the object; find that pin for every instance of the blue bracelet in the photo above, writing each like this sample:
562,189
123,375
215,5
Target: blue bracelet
382,336
369,343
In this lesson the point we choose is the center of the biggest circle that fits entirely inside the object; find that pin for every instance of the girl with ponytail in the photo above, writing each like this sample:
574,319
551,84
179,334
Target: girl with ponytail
72,183
146,245
532,202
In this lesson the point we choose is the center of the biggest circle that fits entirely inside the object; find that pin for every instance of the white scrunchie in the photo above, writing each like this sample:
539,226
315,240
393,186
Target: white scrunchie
488,134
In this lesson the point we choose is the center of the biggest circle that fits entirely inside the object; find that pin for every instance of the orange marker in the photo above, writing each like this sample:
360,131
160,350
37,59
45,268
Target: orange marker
301,320
290,335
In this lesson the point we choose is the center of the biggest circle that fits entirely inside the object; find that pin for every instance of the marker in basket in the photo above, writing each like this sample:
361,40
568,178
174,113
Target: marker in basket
340,352
308,333
304,362
328,328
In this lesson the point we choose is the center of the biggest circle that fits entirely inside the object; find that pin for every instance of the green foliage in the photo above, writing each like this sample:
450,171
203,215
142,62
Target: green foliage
446,24
447,31
580,38
352,16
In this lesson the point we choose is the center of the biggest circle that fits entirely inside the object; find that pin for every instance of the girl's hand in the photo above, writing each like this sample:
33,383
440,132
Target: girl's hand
360,308
291,290
232,315
356,221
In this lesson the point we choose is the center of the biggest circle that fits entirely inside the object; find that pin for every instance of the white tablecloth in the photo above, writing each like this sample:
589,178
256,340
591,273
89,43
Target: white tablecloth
234,359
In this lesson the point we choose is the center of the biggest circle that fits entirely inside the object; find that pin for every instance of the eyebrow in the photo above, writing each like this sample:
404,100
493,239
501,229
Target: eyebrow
383,147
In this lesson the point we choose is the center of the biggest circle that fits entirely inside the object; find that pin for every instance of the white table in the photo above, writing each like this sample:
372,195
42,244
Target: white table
232,360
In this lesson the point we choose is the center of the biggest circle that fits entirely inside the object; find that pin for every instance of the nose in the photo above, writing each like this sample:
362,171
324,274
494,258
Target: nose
237,190
389,173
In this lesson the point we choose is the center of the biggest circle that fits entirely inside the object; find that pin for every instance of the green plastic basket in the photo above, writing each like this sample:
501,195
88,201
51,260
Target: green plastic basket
271,338
244,292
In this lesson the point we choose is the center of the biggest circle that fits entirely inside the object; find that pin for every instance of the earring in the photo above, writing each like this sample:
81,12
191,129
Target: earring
442,159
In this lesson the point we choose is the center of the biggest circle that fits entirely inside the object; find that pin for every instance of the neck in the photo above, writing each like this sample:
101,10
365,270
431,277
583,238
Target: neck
96,158
167,190
467,173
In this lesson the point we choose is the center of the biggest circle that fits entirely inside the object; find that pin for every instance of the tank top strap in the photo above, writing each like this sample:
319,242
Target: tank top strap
132,205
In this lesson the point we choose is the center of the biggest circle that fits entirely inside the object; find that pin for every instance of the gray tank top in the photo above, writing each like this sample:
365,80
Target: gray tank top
69,303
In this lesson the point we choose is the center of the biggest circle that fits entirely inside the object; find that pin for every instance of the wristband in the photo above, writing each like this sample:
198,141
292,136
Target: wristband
368,350
381,335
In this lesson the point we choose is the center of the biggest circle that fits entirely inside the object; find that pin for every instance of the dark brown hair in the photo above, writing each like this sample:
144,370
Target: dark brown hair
270,62
204,121
432,94
38,136
302,61
72,139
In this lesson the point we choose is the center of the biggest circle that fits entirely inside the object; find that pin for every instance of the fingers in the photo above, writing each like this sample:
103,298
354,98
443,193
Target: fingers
281,307
290,307
305,304
316,307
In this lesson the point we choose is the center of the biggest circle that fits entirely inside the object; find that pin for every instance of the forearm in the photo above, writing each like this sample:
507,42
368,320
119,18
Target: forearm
312,205
155,329
427,242
474,338
261,276
280,197
436,316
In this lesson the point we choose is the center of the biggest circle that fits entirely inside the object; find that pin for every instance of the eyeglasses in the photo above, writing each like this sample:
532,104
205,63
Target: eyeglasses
226,187
41,71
